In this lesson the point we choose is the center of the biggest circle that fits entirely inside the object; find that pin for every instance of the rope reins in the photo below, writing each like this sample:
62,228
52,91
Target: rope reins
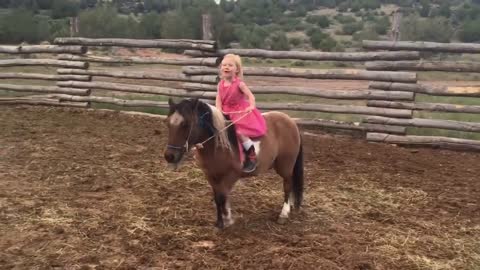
200,145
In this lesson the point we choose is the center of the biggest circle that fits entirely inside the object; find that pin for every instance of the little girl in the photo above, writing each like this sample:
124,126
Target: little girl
237,101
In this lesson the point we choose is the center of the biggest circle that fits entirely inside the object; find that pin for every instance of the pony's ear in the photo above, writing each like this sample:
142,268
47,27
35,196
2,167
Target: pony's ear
171,103
219,60
195,102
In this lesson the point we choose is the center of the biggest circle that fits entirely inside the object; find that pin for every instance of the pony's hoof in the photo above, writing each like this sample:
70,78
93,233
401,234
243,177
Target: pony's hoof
229,222
219,225
282,220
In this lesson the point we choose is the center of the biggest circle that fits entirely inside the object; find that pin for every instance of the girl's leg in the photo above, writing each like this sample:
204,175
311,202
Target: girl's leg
246,142
250,158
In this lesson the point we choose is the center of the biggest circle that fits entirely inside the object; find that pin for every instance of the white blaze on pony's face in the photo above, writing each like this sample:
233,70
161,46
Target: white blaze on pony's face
176,119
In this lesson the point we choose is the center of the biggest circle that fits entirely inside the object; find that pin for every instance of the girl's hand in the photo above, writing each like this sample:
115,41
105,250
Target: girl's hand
249,109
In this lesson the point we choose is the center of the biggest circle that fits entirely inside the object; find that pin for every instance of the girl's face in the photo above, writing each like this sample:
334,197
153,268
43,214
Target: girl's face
228,68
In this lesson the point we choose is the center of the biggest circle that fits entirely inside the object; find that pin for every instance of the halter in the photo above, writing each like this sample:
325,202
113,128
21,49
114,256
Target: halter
184,147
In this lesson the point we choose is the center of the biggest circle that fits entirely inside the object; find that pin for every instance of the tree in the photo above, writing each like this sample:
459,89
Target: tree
175,26
104,22
444,10
351,28
424,8
21,25
470,31
322,41
45,4
151,26
65,8
321,21
279,41
435,29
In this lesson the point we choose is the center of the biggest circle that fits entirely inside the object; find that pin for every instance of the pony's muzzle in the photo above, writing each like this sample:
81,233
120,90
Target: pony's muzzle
172,156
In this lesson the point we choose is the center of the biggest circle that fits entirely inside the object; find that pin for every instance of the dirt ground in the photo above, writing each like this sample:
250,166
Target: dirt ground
89,190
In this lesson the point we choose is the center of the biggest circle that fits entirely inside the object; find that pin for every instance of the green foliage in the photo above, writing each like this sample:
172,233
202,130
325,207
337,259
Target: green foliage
424,8
381,25
344,19
105,22
351,28
366,34
65,8
279,41
435,29
470,31
295,41
151,25
323,41
22,25
253,23
321,21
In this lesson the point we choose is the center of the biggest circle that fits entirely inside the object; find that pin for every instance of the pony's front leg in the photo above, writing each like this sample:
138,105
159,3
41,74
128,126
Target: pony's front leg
224,212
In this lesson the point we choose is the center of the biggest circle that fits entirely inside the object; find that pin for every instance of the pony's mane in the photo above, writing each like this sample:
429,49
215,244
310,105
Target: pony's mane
219,123
211,119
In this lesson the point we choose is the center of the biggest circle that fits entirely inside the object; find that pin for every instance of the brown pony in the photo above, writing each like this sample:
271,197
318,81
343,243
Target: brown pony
192,122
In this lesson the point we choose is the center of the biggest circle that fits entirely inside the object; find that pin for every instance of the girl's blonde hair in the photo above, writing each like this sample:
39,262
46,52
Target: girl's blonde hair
238,62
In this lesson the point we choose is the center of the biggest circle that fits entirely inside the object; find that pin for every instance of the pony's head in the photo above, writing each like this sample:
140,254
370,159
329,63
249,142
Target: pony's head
190,122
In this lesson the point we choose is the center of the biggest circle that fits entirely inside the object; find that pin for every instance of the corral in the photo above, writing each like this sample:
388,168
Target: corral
85,189
89,189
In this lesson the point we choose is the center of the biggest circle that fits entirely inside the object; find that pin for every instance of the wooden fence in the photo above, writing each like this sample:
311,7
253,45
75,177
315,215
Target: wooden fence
388,102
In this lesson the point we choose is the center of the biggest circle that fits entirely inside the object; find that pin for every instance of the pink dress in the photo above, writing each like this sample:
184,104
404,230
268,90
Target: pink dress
233,101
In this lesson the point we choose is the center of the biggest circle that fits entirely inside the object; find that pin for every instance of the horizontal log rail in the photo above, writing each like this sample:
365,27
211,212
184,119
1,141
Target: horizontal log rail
42,62
140,43
47,77
45,89
461,91
142,75
339,74
421,46
424,66
211,62
314,56
54,49
130,88
432,107
164,105
40,101
425,123
445,142
346,109
314,92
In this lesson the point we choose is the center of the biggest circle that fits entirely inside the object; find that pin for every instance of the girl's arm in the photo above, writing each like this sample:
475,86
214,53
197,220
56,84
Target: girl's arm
251,98
218,102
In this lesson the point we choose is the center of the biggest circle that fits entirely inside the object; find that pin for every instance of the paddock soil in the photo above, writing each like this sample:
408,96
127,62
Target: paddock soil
82,189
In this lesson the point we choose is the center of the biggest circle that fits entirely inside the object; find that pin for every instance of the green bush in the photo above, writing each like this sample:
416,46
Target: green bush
320,40
321,21
279,42
295,41
344,19
351,28
470,31
432,29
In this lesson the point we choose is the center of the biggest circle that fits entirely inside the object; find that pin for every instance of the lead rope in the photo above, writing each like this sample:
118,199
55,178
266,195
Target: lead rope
200,145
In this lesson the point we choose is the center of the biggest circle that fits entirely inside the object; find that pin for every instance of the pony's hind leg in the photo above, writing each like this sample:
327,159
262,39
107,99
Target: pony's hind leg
284,167
287,201
291,170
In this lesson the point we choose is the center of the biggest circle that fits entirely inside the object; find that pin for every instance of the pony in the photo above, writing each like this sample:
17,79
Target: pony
192,122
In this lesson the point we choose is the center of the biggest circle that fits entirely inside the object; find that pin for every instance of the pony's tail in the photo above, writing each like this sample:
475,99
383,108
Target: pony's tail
298,178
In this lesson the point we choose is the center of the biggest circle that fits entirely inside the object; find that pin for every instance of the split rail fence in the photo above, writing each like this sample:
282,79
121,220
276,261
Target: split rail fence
389,102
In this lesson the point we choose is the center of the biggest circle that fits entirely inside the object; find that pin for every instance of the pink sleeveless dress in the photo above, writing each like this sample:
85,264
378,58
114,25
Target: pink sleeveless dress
233,100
